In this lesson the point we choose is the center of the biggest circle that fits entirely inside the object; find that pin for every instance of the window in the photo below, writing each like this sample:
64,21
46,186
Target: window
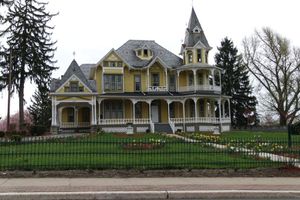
206,56
85,115
155,79
201,108
70,114
105,64
146,52
172,110
113,109
172,83
200,78
137,83
113,82
138,110
199,56
191,79
139,52
112,64
190,56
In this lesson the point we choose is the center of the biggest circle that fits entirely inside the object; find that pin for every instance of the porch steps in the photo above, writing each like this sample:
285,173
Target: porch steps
162,128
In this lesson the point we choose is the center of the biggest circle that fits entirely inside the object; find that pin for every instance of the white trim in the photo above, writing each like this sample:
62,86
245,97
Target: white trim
157,59
68,80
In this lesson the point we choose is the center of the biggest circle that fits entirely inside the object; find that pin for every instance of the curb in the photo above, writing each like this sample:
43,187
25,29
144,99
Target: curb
195,194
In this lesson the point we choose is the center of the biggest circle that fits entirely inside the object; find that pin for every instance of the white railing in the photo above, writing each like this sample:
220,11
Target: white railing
74,124
125,121
199,87
157,89
212,120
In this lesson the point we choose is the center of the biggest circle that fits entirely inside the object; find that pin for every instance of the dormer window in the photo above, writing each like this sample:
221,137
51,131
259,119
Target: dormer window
196,30
73,87
144,53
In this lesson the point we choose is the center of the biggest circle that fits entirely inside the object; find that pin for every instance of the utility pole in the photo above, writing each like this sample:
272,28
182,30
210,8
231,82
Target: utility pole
9,91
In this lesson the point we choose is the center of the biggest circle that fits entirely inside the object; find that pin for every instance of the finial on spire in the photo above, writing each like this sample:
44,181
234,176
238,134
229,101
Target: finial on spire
192,3
74,53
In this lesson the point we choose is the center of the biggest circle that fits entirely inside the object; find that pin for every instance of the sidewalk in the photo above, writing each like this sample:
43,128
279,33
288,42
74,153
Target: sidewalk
148,188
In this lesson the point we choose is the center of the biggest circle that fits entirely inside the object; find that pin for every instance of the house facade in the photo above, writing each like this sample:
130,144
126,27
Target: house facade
143,87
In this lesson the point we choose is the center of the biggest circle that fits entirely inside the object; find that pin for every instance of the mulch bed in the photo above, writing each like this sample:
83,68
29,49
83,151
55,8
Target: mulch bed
124,135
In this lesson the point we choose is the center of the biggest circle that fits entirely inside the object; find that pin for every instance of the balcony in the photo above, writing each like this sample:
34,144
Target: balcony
157,89
200,88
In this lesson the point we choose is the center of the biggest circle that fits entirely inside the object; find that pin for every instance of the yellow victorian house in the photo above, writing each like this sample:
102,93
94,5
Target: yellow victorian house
143,87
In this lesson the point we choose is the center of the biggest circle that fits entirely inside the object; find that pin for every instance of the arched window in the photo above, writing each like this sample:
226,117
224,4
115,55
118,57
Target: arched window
190,57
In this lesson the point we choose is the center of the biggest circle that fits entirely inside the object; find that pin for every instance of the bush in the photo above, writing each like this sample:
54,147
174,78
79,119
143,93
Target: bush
16,138
37,130
2,134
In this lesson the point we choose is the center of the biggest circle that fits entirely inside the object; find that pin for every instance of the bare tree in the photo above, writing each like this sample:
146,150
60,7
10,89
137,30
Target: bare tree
276,65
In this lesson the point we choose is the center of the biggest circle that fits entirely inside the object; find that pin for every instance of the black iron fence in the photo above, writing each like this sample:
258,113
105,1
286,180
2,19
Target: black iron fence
158,152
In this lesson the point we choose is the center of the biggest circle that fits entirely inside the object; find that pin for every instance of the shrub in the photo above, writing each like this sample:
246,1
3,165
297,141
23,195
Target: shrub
37,130
16,137
2,134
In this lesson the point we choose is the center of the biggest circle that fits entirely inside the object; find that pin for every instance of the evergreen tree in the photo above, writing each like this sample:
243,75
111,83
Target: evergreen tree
235,83
40,110
29,41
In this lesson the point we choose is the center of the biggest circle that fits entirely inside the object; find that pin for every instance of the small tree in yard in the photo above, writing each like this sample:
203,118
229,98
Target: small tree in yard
235,83
276,65
40,110
29,41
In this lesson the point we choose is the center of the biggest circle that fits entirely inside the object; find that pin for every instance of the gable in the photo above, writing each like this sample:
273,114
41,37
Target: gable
66,86
112,57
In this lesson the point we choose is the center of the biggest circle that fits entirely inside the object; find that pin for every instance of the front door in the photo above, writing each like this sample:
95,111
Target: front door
154,113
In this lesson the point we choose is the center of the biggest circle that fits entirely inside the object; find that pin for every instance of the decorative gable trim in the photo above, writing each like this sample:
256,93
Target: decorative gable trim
110,52
69,79
160,61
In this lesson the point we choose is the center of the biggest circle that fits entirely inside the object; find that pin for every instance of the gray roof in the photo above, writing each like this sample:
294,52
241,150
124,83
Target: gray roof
74,69
127,52
86,68
192,38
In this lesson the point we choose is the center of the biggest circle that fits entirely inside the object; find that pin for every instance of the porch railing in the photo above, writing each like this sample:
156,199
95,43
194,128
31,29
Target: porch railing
74,124
157,89
125,121
199,87
200,120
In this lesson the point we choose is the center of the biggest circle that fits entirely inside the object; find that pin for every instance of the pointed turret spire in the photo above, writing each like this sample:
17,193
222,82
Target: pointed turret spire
194,35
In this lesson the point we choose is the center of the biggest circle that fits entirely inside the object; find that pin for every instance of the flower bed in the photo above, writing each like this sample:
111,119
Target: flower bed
144,145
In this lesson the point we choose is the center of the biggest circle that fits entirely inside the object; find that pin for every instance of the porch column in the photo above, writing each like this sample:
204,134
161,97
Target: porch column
133,109
93,104
148,79
169,102
177,82
223,106
53,117
196,110
99,111
220,118
75,116
229,109
167,85
195,79
212,71
149,103
183,114
102,81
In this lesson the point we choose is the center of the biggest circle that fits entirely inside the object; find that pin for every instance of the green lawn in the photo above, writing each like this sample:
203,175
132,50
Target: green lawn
110,151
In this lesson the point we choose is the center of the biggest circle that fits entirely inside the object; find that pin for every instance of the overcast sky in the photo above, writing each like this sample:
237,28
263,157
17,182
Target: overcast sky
92,27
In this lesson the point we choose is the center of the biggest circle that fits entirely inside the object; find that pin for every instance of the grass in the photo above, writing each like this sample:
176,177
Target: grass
105,151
